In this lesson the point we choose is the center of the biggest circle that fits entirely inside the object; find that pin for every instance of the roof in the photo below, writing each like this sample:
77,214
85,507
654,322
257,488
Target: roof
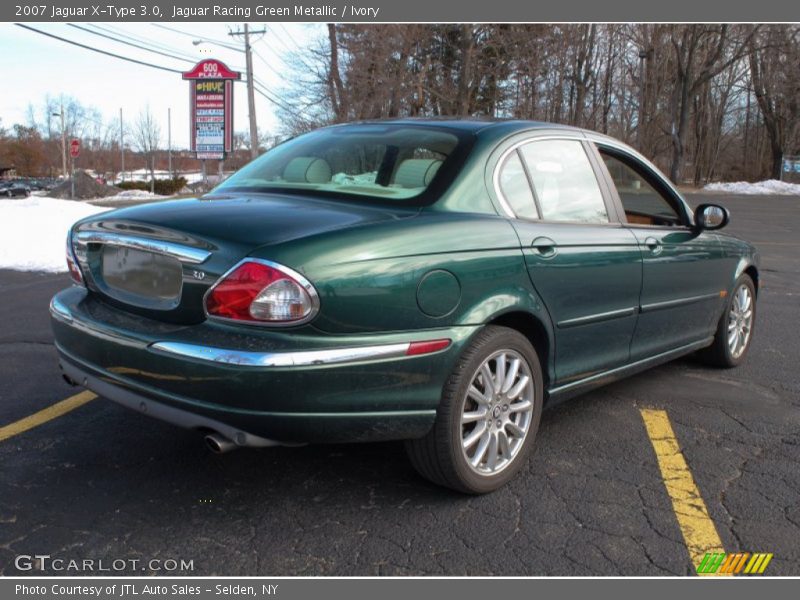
466,124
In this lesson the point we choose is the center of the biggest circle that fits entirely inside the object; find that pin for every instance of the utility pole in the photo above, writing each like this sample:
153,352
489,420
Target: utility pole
169,142
121,144
251,93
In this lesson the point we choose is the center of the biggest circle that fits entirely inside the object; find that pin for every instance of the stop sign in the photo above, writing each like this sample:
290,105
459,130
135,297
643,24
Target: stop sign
74,147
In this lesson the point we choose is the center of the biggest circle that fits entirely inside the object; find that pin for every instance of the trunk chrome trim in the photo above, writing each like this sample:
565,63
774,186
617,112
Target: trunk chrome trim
244,358
183,253
303,358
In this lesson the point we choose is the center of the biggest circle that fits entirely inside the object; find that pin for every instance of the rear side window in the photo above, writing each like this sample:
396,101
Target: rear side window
516,189
564,182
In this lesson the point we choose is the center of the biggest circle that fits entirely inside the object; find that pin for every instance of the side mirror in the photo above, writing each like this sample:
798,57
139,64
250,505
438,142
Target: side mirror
711,216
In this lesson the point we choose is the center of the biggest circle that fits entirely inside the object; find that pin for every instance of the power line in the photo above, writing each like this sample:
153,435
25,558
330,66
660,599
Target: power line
193,36
84,46
296,54
289,37
206,40
269,66
141,40
280,104
113,39
257,84
275,54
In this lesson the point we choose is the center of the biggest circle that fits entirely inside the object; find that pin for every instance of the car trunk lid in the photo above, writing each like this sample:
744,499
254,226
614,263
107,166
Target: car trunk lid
159,260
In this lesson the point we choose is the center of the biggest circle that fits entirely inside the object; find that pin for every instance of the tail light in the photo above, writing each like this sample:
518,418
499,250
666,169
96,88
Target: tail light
72,263
262,292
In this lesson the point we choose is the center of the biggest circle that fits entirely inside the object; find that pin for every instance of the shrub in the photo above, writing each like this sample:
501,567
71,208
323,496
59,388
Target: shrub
133,185
163,187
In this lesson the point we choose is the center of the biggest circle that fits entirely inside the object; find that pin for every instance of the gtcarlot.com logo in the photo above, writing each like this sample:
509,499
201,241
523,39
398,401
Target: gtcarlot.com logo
741,563
46,562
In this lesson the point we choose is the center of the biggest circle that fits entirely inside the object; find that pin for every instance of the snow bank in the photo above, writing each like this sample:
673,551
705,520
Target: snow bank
132,195
33,232
770,186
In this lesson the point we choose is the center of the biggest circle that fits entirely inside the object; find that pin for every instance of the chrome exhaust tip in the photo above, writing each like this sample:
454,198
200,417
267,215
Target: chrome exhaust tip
219,444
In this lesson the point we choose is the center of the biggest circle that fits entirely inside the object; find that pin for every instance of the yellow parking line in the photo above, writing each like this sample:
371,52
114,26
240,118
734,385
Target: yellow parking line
699,533
48,414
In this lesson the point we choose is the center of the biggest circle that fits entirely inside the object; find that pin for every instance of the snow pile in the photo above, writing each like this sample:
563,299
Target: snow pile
33,232
85,187
770,186
133,195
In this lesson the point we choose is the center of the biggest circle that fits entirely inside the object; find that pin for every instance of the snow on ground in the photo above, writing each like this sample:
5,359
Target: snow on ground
33,232
770,186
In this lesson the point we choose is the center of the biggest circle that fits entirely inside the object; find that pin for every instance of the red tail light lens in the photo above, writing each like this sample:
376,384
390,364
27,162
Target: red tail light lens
259,291
72,264
416,348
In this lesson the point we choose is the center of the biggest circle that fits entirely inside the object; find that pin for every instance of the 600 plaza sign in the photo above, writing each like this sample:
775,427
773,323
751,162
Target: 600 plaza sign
211,108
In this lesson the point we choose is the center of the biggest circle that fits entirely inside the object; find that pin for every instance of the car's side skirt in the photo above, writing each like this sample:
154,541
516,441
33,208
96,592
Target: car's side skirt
575,388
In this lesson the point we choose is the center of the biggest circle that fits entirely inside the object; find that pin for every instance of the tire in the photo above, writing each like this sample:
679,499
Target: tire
722,353
440,456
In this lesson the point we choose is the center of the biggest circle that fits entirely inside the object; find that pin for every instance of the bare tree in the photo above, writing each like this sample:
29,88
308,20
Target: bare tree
774,60
146,133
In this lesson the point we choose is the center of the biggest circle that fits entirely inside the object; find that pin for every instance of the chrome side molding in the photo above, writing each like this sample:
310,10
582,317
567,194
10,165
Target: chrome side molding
183,253
302,358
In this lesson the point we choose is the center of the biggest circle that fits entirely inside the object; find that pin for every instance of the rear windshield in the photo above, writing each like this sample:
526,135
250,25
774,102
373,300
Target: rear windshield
392,163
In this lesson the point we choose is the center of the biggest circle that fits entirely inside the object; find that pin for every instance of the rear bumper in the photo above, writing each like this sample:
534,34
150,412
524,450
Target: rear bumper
256,388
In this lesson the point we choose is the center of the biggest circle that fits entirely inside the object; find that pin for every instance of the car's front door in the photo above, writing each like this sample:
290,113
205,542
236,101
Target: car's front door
584,265
684,275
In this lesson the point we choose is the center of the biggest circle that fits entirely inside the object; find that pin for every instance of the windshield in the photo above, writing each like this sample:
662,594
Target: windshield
395,163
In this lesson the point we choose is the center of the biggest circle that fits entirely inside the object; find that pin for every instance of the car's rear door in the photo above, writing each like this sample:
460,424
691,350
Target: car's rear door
583,263
684,271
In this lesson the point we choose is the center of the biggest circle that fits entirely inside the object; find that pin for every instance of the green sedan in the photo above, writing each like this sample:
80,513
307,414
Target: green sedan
434,281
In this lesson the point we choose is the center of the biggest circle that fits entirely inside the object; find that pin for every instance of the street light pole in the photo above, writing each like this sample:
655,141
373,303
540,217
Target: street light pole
121,144
642,97
63,141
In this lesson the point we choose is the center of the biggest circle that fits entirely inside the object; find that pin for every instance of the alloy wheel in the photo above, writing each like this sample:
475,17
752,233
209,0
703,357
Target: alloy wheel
740,321
497,412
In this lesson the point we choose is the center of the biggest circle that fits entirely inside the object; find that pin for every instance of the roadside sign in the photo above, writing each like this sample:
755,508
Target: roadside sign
74,147
790,169
211,98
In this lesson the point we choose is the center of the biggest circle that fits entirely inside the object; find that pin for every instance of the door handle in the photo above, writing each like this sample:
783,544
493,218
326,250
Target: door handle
654,245
544,247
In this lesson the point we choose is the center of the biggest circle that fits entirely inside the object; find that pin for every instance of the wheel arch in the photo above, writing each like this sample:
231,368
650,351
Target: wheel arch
750,269
537,333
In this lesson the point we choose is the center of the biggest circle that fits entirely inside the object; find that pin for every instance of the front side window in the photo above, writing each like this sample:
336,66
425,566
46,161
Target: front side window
395,163
643,204
564,182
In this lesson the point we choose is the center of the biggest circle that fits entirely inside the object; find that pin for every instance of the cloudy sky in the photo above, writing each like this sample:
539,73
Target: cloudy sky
37,65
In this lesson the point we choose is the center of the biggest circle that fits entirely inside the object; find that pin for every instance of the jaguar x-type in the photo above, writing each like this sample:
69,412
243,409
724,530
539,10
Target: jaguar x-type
432,281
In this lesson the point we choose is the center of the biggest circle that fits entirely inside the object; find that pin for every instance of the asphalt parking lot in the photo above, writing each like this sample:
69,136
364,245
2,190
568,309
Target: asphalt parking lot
101,482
